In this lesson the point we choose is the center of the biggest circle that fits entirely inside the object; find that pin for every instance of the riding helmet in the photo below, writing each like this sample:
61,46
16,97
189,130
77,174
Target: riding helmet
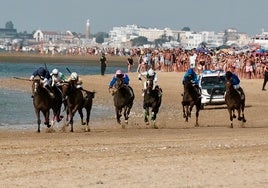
55,71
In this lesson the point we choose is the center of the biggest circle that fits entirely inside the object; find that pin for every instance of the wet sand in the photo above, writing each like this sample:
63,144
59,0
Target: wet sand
175,155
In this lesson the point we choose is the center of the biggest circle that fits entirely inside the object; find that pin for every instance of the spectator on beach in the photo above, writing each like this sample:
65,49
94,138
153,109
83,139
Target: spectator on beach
45,77
103,63
130,62
265,79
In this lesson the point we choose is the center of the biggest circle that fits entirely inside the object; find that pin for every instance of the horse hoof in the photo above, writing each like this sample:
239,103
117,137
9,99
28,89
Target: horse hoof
244,120
48,126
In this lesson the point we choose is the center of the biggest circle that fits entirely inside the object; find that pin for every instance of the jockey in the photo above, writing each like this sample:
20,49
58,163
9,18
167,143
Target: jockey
125,77
78,81
57,77
150,74
194,78
44,75
235,81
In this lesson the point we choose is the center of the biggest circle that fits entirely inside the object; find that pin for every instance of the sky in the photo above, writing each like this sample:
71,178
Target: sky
246,16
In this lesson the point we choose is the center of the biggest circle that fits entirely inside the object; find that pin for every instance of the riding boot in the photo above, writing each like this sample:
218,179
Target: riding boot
159,90
143,91
130,91
50,92
241,92
198,91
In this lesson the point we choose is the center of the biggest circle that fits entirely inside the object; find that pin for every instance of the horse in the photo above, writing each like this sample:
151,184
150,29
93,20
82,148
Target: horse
42,102
76,102
58,103
234,102
123,100
190,99
152,99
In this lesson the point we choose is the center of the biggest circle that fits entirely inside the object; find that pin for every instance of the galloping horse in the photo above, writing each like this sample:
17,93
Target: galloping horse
57,104
189,100
123,99
234,102
152,99
76,102
42,102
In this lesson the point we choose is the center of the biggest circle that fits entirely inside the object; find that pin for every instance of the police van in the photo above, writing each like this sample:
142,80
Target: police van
212,85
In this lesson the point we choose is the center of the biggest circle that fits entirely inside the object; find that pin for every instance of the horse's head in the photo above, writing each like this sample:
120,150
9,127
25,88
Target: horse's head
119,83
65,89
150,83
36,86
228,85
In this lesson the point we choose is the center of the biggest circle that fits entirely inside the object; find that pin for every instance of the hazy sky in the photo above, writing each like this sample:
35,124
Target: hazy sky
249,16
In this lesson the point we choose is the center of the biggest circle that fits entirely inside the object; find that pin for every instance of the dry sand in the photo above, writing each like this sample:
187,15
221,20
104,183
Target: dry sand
175,155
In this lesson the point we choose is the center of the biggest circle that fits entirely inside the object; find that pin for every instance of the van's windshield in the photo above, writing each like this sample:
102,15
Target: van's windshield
213,81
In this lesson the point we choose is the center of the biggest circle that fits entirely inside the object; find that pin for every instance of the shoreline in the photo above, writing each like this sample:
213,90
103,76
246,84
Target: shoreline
64,59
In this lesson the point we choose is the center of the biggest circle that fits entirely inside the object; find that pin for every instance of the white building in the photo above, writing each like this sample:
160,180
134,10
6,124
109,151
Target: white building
52,36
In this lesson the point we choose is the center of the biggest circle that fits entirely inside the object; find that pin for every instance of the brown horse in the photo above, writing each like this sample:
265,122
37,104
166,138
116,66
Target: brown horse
189,100
234,102
76,102
123,99
42,102
152,99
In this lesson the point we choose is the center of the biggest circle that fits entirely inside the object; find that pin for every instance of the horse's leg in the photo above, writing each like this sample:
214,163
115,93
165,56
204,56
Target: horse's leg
242,109
231,117
71,122
127,112
46,116
191,108
146,115
197,115
37,112
183,110
80,111
118,115
187,113
88,110
234,116
154,113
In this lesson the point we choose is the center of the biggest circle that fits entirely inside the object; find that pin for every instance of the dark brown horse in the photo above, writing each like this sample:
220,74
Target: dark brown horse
123,100
42,102
234,102
76,102
189,100
152,99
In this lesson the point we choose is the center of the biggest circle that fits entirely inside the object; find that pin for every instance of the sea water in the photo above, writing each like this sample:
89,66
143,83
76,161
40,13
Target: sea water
16,107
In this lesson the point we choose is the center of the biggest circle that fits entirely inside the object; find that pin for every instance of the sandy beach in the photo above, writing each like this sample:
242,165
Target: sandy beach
175,155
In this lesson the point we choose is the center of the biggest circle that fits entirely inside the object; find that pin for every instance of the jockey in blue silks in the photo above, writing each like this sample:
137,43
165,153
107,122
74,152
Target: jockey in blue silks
191,72
235,81
45,77
120,74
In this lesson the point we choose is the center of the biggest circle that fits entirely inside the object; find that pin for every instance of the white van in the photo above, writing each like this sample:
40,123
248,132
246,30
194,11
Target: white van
212,85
